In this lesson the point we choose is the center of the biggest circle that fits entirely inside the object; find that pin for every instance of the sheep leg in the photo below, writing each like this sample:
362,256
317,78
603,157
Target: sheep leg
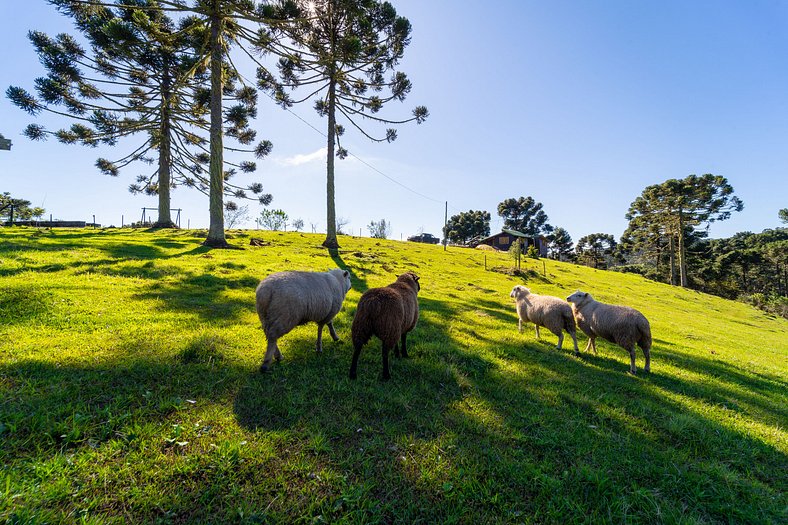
331,331
632,369
386,371
591,344
319,345
354,362
560,340
404,345
270,352
537,331
647,353
520,325
396,350
574,340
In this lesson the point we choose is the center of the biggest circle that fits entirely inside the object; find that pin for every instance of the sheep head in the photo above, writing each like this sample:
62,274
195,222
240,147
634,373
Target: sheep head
579,297
519,291
344,277
411,279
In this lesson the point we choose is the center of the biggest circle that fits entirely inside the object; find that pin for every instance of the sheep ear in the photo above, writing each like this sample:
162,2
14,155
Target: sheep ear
345,273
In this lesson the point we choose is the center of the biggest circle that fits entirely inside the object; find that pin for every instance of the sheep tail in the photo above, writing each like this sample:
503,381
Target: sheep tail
569,321
263,297
361,330
361,333
645,336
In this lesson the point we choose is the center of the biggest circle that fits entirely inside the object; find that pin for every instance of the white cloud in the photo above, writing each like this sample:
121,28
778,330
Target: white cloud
297,160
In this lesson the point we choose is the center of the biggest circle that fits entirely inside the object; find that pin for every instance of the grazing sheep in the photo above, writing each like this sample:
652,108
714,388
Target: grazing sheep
544,310
622,325
288,299
389,313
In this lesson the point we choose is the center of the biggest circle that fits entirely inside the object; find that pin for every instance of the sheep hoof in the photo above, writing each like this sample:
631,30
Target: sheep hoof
632,372
264,368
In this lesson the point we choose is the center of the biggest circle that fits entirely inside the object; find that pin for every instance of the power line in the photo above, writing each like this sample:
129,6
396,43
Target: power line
367,164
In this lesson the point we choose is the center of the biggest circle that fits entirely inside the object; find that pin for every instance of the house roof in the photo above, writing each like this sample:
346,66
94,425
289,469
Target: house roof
515,233
502,232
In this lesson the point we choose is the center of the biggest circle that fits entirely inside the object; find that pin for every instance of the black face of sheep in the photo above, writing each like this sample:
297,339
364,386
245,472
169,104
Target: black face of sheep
388,313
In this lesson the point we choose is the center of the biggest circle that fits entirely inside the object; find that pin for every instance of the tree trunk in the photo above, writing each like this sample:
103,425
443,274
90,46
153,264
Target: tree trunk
331,216
165,151
216,209
682,252
672,254
745,283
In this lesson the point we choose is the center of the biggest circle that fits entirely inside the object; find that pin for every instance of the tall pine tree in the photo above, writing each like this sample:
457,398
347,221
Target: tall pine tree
339,53
142,75
679,207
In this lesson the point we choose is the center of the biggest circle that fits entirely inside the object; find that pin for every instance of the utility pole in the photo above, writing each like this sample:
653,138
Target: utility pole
445,223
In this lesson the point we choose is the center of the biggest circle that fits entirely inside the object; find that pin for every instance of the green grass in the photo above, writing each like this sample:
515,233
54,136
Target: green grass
130,392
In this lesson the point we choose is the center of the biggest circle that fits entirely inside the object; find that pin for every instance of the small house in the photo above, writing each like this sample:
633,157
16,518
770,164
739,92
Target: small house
504,240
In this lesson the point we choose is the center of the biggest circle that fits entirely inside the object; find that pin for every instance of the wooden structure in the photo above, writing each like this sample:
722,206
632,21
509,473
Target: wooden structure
504,240
146,220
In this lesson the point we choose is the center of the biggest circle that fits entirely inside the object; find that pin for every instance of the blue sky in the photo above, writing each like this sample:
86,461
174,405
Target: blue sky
578,104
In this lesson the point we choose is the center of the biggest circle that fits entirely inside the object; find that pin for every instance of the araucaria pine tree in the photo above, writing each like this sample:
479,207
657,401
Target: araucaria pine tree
143,74
677,208
343,54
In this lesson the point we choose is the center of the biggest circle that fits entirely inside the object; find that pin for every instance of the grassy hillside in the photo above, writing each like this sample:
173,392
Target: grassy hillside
130,392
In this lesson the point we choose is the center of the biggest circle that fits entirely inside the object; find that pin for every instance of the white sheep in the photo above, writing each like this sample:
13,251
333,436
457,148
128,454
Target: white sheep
622,325
288,299
544,310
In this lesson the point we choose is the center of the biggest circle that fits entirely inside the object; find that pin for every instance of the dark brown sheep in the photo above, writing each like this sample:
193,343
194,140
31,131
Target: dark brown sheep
389,313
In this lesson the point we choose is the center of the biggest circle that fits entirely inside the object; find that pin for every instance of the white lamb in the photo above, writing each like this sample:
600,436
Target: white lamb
288,299
622,325
544,310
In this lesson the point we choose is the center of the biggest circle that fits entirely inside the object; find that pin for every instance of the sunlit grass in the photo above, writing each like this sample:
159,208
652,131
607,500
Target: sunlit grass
129,392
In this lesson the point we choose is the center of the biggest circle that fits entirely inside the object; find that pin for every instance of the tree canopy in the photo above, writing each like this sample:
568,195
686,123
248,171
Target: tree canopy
467,226
560,243
379,229
678,206
524,215
595,249
13,208
143,74
339,53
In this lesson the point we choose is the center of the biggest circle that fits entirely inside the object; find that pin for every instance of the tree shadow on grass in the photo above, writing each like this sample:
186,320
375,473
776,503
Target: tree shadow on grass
51,407
358,281
604,440
203,295
564,440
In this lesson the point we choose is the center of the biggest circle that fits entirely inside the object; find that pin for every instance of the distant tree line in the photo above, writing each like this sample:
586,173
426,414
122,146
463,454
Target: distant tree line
16,209
666,240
